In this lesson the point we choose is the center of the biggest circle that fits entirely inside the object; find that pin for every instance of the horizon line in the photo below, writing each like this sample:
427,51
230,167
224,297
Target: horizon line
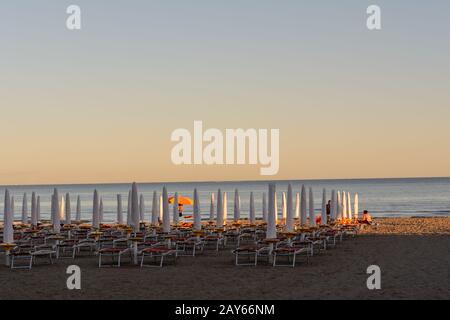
218,181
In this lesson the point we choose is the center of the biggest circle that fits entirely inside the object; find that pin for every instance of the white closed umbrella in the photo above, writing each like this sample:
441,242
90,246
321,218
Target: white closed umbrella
339,206
62,210
135,216
344,205
264,208
211,208
197,214
57,212
356,213
141,208
78,212
283,207
24,209
160,208
176,215
276,208
303,214
289,211
349,206
225,208
34,220
252,215
38,208
219,217
312,216
237,209
166,213
271,232
68,210
8,221
60,214
129,220
119,209
12,206
297,206
101,211
96,211
155,213
324,208
333,205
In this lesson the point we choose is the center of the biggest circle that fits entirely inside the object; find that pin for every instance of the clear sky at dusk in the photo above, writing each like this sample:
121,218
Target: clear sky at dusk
99,104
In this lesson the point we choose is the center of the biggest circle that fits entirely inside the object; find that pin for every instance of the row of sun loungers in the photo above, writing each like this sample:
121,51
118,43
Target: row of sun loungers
151,248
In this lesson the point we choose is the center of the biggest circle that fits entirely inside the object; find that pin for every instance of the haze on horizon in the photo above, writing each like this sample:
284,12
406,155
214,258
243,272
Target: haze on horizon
99,105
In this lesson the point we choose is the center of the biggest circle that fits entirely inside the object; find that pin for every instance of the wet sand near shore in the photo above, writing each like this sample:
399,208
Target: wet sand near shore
413,254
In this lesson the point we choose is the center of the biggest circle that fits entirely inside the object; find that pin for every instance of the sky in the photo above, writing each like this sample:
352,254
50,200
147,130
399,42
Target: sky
98,105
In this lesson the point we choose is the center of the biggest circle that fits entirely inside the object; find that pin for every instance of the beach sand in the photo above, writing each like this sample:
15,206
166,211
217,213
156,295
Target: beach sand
413,254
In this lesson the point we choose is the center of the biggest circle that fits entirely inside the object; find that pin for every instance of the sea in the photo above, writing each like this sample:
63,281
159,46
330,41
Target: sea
425,197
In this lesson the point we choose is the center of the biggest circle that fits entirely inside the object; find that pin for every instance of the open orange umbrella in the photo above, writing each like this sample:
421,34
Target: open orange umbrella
182,201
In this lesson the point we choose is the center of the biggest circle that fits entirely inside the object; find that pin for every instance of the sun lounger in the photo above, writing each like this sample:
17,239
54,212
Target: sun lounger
155,254
120,247
289,252
189,246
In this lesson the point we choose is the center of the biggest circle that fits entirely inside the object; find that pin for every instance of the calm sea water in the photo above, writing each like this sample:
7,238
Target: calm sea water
382,197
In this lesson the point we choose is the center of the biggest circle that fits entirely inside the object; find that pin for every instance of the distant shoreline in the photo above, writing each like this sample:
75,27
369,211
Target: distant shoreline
223,182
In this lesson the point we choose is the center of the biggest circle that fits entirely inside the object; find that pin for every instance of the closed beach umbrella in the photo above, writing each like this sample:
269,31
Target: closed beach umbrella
135,216
141,208
252,216
101,212
339,206
119,209
34,221
176,219
68,210
38,208
129,220
312,216
303,214
219,218
166,213
8,220
264,208
225,208
197,214
289,211
276,208
237,209
349,206
356,213
271,219
56,212
24,209
96,211
155,213
324,207
12,206
297,206
333,205
344,205
211,208
283,207
60,208
161,208
78,214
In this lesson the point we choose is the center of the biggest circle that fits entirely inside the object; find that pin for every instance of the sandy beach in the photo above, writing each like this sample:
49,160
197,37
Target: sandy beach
413,254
